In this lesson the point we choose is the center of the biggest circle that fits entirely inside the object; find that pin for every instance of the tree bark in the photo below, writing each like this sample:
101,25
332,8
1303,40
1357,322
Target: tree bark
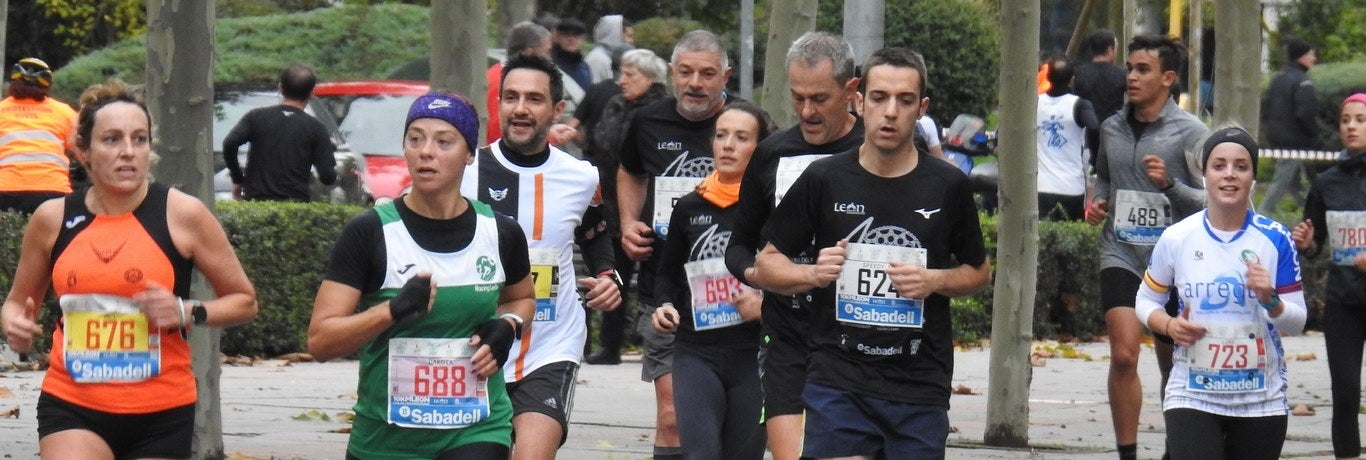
459,50
4,21
511,12
180,49
1017,246
1237,31
784,25
864,27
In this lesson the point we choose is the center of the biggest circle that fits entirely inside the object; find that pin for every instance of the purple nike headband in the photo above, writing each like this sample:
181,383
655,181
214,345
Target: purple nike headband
451,108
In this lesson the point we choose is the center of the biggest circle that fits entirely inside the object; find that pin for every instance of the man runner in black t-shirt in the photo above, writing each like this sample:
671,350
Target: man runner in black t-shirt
285,143
899,235
666,153
822,84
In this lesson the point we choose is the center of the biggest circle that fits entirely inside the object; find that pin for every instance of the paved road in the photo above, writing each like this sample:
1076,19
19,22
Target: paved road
614,411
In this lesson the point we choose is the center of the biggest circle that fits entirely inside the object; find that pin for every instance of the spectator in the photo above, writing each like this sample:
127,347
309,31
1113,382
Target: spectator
609,36
1098,80
668,145
524,37
1289,117
1146,166
642,82
35,151
928,131
285,143
568,38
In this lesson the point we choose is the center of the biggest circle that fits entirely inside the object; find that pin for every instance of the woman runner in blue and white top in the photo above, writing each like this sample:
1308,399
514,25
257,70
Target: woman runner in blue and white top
1238,277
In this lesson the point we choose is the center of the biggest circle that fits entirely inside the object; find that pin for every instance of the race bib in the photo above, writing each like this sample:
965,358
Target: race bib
107,339
1346,235
1228,359
432,384
668,189
789,169
1141,217
712,285
545,276
864,293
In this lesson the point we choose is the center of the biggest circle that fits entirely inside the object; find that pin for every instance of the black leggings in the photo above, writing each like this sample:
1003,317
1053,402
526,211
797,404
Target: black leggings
1344,333
1201,435
478,450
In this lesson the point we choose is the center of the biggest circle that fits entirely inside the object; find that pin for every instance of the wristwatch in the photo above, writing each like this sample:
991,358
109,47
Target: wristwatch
616,277
198,313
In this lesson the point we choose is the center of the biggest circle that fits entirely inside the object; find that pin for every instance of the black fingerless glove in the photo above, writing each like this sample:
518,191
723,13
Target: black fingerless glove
498,335
412,299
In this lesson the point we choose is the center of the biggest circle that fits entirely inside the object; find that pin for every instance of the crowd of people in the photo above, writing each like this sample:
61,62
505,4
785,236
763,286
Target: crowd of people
798,279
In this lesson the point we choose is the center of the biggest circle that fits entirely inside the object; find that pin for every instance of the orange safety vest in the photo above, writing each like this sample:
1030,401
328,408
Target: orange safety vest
34,141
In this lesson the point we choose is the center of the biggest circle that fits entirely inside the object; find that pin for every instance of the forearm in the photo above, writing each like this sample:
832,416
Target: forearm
1147,303
964,279
228,310
776,272
1290,315
630,197
339,336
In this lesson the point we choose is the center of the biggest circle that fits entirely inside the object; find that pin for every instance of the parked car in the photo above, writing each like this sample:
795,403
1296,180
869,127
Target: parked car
231,103
372,114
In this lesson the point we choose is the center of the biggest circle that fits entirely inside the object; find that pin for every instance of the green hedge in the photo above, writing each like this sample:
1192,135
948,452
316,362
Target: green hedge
284,247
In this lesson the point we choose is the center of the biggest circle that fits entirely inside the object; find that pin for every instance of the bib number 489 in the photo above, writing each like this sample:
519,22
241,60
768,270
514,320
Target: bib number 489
1146,217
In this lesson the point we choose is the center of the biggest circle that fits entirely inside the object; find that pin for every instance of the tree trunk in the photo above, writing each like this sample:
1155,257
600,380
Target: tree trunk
4,20
180,49
863,27
1237,31
1017,246
784,25
747,49
511,12
1195,44
459,50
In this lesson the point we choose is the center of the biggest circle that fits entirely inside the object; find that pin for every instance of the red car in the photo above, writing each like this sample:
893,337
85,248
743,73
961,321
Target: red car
371,114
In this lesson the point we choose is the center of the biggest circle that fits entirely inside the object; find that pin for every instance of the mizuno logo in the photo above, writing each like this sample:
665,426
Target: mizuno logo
75,221
438,104
498,195
927,212
404,270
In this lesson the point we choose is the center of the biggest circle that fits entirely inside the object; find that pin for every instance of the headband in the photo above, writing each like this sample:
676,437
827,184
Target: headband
1232,135
450,108
1358,97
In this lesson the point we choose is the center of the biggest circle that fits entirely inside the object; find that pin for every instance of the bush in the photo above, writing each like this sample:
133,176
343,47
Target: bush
352,42
660,35
1333,83
961,43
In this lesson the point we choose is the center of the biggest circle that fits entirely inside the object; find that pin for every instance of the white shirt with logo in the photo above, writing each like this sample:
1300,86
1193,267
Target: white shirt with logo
1238,368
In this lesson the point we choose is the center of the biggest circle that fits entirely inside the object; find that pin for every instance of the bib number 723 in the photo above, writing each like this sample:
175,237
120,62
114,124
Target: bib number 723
1228,356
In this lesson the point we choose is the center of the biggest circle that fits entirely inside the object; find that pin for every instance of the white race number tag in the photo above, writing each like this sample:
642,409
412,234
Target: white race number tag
668,189
789,169
864,292
1346,235
712,286
1228,359
545,277
1141,217
432,384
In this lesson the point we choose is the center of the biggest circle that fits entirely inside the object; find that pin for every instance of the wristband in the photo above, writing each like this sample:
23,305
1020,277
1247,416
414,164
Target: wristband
516,320
1275,302
183,321
616,277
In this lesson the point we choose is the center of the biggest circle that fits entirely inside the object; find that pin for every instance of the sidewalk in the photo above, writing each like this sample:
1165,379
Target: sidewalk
272,410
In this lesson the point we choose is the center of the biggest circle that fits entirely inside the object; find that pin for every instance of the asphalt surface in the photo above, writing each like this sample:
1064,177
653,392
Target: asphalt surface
275,409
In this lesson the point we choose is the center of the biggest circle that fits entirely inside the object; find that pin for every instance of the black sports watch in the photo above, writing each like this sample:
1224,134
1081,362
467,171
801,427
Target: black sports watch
198,312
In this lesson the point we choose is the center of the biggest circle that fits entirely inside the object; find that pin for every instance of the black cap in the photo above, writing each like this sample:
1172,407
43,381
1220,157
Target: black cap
571,26
1294,48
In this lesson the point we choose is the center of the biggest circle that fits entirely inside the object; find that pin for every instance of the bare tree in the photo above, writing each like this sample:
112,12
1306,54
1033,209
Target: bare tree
1017,245
1237,61
4,20
511,12
180,49
784,25
459,50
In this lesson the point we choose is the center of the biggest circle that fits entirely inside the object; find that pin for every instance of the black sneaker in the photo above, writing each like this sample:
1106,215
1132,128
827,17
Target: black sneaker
603,357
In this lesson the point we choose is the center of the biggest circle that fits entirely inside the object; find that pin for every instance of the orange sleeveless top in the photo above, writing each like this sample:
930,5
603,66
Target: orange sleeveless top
119,255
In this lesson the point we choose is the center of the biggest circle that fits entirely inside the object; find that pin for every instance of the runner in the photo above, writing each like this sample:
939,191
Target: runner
443,287
121,253
716,386
1238,278
554,197
822,84
899,236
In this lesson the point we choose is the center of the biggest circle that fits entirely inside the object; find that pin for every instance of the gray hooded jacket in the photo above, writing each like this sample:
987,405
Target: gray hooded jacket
609,34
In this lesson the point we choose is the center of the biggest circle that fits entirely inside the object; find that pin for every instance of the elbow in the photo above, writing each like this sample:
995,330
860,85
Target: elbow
320,349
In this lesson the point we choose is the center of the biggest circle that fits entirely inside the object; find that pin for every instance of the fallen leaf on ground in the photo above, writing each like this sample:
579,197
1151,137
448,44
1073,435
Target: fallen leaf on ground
1037,361
5,393
345,417
351,395
963,390
343,430
242,456
605,444
312,416
1306,356
1302,410
12,412
295,357
238,360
